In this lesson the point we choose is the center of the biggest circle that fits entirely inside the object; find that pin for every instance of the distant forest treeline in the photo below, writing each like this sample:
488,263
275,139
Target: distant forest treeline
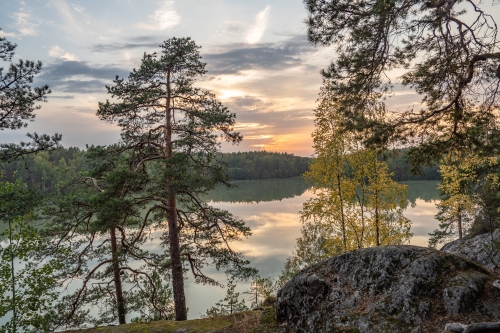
264,165
45,170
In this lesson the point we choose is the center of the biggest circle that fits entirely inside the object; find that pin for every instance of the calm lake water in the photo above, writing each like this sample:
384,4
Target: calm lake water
271,209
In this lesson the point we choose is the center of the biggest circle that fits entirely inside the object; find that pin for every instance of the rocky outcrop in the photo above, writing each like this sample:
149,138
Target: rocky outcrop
388,289
483,249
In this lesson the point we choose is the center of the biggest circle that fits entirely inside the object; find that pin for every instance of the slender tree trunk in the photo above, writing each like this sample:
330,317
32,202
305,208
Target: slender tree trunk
173,228
13,281
120,304
459,223
344,236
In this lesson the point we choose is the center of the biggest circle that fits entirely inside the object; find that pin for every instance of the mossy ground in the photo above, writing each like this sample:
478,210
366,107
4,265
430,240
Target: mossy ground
257,321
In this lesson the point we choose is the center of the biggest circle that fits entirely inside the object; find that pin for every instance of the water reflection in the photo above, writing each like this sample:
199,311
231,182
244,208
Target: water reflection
255,191
271,209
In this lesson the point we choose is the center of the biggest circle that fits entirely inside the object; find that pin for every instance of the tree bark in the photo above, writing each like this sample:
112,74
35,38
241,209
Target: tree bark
120,303
13,281
176,263
344,235
173,228
459,224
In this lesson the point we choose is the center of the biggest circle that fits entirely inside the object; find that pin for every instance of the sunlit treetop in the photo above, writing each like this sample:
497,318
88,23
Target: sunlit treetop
445,50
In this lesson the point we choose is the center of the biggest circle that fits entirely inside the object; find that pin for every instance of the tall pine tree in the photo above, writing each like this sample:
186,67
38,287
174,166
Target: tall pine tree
173,130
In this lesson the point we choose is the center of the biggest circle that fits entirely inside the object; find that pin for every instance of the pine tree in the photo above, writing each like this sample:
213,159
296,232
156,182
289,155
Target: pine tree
172,130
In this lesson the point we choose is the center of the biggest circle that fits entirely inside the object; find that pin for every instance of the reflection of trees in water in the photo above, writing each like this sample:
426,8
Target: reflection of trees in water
279,189
260,190
424,190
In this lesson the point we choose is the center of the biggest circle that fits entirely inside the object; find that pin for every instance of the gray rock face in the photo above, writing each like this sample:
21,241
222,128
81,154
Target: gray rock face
481,249
388,289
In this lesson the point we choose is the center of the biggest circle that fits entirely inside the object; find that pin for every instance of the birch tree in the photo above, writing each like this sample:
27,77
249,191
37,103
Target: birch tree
357,204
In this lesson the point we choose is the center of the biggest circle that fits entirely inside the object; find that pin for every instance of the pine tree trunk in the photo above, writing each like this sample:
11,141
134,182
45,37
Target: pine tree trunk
13,281
173,228
120,304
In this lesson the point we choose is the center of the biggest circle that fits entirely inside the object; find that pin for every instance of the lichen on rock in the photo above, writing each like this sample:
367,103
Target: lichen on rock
388,289
483,249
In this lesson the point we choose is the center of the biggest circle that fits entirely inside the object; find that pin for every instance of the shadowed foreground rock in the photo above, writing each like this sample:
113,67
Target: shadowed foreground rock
388,289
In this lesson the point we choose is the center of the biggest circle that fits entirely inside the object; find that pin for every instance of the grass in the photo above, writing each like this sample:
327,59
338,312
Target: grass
256,321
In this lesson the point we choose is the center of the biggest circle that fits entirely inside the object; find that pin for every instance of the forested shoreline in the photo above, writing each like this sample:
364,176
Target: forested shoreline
45,170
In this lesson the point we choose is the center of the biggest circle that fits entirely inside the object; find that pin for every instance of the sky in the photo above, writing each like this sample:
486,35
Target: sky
260,64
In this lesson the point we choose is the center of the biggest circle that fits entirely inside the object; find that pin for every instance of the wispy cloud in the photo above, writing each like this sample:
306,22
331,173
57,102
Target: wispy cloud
66,12
163,18
77,8
257,30
238,58
25,22
123,46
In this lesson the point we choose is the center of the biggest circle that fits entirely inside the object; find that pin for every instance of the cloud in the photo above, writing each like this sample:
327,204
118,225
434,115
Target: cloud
164,18
234,26
123,46
79,76
62,97
235,58
66,11
6,34
58,52
256,32
25,22
77,8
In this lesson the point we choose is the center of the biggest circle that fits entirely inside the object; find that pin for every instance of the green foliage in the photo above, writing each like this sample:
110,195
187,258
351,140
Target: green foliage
470,185
161,309
357,204
264,165
46,170
28,279
172,130
18,102
229,305
261,290
102,216
445,51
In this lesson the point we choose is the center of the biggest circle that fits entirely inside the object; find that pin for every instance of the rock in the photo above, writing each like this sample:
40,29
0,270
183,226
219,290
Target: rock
455,327
473,328
479,249
388,289
181,330
496,284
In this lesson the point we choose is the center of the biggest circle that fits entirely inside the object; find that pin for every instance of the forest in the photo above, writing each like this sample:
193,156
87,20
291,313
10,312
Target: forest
109,235
45,170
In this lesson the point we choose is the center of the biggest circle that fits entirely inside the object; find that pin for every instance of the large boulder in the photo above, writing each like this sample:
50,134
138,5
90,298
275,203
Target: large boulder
388,289
483,249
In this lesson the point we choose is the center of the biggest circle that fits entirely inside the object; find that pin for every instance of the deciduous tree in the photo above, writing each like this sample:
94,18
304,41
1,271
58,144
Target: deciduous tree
357,204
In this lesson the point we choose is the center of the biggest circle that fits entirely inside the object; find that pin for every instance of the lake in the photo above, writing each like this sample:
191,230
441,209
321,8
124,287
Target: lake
271,209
